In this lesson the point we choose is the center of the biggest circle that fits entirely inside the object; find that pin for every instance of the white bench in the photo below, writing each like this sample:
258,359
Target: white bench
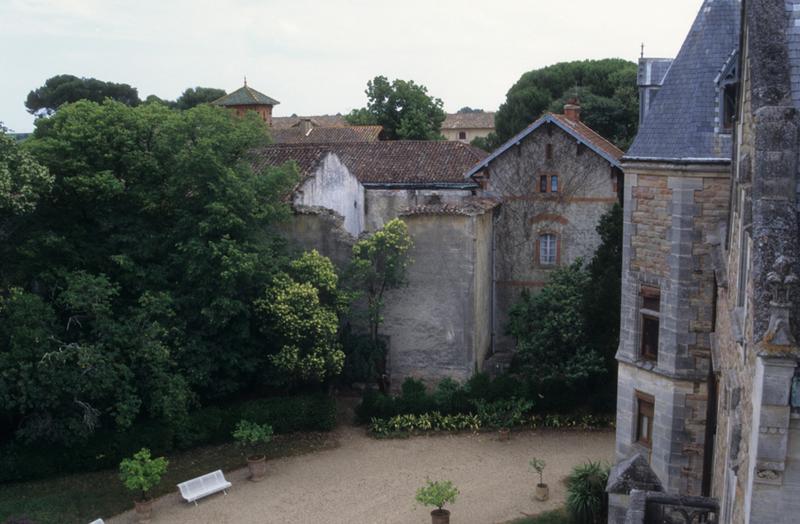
203,486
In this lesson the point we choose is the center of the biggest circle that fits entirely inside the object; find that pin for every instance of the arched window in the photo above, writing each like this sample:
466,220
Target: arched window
548,249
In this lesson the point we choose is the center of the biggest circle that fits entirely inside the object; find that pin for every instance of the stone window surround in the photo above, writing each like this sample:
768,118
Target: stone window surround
537,256
639,398
647,282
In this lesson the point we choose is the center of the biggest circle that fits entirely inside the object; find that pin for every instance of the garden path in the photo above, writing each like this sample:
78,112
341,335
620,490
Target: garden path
365,481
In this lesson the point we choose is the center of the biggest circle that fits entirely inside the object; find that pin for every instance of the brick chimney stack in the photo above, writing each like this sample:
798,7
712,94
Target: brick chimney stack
573,112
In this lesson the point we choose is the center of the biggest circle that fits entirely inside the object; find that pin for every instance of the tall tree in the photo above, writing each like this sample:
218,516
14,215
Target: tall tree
606,90
379,264
23,181
403,108
63,89
193,96
133,281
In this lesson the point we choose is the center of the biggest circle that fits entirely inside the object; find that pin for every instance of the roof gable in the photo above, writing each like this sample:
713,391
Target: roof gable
391,163
578,130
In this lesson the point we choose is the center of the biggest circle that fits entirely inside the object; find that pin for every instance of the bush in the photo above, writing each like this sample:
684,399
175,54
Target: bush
451,398
362,358
586,493
414,398
437,494
142,472
252,437
434,421
375,404
503,413
205,426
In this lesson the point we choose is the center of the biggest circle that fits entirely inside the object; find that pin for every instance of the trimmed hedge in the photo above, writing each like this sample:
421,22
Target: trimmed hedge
210,425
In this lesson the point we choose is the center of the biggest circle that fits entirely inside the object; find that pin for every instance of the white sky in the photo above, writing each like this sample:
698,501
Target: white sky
316,56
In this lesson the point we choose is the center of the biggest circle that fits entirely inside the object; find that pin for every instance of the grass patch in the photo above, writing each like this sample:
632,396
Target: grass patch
84,497
557,516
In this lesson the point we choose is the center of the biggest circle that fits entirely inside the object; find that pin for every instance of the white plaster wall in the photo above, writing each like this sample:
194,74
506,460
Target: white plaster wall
334,187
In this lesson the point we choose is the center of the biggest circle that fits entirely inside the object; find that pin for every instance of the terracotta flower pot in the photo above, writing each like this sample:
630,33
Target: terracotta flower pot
144,510
504,433
440,516
257,467
542,492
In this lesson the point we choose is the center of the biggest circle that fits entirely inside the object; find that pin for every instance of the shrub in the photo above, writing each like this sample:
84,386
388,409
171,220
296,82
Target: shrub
375,404
414,398
433,421
503,413
586,495
437,494
362,358
252,437
142,472
208,425
451,398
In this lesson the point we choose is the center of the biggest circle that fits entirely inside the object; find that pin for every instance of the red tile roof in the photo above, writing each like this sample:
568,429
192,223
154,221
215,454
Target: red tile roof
391,162
326,135
590,135
284,122
483,120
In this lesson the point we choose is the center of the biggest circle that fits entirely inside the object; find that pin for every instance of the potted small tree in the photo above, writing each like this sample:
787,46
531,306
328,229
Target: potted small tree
437,494
141,474
542,491
252,437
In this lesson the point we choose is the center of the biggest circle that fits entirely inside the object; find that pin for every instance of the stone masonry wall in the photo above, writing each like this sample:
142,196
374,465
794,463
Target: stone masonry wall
587,189
432,323
382,205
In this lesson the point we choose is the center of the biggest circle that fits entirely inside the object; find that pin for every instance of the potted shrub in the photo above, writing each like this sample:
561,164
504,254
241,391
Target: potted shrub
542,491
437,494
252,438
141,474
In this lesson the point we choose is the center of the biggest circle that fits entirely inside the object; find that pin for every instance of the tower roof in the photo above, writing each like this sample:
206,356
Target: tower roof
245,96
682,121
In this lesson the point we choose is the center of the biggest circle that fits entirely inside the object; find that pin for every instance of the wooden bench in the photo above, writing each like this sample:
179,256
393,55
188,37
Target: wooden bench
200,487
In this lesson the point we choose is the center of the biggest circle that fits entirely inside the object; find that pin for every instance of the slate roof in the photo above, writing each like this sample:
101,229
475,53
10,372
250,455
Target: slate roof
326,135
793,46
284,122
391,163
483,120
245,96
680,124
578,130
652,71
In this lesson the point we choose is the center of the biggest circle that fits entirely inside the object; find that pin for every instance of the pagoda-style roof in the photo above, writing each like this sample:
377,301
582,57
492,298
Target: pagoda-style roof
245,96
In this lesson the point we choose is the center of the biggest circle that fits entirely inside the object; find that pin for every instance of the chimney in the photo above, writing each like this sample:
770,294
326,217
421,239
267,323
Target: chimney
306,126
572,112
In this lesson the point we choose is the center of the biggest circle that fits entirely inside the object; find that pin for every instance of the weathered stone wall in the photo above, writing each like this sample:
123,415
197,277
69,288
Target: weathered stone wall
433,324
587,189
382,205
335,188
483,287
321,229
669,212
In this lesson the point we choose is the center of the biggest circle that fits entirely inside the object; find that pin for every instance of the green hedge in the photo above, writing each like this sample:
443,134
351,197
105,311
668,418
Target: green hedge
210,425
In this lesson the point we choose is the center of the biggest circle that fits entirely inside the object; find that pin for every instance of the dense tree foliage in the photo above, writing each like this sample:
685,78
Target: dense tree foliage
567,334
130,290
23,181
403,108
63,89
194,96
606,90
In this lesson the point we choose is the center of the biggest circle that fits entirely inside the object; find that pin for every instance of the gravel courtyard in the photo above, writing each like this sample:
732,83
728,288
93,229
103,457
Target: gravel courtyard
365,481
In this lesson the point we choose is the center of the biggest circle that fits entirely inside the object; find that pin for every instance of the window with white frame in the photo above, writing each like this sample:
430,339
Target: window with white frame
547,249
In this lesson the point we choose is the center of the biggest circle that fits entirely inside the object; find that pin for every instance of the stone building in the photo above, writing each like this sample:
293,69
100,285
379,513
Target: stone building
438,325
708,362
553,181
465,127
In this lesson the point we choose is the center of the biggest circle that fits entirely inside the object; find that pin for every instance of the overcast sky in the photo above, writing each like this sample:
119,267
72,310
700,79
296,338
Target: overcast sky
316,56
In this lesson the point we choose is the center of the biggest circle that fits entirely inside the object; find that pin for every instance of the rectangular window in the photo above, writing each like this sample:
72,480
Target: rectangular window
554,184
543,184
462,135
645,410
547,250
650,321
548,151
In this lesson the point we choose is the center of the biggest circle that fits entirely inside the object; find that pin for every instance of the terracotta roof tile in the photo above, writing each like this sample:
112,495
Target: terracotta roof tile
284,122
326,135
484,120
396,162
245,96
590,135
